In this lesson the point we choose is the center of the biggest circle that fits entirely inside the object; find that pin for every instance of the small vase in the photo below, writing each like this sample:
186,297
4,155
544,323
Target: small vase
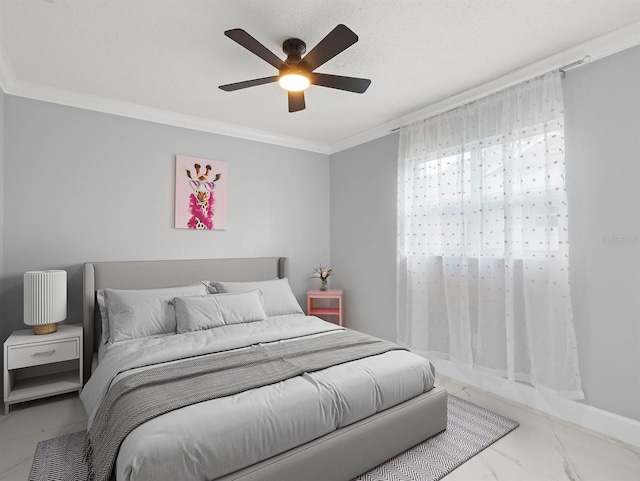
323,286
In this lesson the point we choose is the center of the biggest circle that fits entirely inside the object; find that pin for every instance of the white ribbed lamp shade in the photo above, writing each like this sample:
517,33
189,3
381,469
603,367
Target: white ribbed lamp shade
45,300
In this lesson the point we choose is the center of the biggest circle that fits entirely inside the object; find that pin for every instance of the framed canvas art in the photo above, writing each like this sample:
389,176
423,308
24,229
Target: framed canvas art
201,193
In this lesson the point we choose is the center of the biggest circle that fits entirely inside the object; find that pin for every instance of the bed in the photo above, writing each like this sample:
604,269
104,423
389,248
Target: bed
354,444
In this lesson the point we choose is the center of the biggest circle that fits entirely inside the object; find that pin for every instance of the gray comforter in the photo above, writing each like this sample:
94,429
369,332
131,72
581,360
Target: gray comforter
152,392
209,439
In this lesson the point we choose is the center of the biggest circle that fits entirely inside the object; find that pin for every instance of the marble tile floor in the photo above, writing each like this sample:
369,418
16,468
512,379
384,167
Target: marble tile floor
541,449
31,422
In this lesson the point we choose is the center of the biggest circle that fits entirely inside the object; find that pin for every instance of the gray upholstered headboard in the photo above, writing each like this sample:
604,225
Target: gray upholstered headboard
169,273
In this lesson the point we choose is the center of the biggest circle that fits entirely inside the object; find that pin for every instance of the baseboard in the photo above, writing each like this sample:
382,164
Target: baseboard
613,426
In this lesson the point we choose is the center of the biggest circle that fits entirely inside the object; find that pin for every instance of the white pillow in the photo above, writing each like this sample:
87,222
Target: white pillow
277,295
206,312
135,313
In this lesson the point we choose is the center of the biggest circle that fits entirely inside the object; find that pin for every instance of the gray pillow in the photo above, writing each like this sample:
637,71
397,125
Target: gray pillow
104,315
206,312
135,313
278,297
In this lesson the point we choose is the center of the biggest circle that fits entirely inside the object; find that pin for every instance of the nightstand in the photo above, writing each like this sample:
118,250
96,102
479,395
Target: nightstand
41,366
335,294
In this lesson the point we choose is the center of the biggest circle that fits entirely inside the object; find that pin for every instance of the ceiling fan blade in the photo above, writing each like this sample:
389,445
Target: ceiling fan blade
351,84
338,40
247,41
296,101
248,83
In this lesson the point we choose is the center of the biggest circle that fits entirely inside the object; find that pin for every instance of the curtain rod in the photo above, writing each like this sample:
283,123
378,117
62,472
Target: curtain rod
572,65
562,70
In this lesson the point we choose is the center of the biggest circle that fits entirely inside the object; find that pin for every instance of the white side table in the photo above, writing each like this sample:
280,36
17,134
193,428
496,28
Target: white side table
23,351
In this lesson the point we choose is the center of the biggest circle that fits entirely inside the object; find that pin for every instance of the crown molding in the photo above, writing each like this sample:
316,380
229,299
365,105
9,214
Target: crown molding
11,86
598,47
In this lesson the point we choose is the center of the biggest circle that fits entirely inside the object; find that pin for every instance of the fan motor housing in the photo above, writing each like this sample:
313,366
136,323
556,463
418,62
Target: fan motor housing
295,49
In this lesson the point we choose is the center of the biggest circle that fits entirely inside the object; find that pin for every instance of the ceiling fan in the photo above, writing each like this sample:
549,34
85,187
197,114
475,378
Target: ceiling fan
296,72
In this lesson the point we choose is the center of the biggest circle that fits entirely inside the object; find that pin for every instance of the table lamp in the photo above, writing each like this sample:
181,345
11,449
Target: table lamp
45,300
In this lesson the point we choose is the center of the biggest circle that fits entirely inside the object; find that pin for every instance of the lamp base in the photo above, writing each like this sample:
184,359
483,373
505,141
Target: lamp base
45,328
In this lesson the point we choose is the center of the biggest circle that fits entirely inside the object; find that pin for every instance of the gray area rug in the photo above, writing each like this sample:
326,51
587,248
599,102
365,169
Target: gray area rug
470,429
60,459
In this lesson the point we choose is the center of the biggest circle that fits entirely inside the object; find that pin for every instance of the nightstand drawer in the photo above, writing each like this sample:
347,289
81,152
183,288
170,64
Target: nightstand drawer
42,353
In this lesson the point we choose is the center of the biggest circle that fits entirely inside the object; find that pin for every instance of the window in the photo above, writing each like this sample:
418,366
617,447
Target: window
474,201
482,237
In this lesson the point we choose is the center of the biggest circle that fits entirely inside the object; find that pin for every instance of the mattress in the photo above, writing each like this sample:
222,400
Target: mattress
207,440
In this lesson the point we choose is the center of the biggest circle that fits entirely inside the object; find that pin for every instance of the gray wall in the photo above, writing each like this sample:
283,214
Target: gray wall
602,104
602,128
84,186
363,234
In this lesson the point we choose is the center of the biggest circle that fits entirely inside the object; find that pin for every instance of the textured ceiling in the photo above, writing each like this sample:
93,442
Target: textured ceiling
170,56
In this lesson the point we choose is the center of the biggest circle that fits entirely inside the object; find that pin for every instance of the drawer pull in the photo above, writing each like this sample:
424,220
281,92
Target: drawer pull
45,353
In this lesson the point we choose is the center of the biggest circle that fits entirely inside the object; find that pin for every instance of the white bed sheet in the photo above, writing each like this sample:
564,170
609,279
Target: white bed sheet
210,439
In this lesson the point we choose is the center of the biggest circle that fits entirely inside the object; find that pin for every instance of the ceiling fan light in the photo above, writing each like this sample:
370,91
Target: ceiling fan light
294,82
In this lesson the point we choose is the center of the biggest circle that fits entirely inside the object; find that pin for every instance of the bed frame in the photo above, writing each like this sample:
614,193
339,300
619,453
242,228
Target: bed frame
340,455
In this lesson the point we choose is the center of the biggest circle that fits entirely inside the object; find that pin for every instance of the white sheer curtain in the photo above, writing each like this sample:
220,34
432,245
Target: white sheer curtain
482,238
